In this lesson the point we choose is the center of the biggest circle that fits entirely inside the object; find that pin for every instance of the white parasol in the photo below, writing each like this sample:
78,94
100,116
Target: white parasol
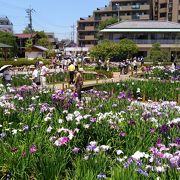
4,67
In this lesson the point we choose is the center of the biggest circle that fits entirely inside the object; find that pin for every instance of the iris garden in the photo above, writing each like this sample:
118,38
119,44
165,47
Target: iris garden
111,134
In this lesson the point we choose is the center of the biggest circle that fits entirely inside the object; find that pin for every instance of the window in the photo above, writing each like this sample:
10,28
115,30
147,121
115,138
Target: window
163,5
162,15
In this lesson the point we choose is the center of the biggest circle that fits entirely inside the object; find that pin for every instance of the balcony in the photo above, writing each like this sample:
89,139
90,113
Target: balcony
144,17
106,17
137,6
97,18
81,28
90,28
89,45
89,38
81,37
135,16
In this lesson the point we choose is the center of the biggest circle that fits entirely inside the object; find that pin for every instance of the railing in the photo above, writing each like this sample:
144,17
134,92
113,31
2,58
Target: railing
97,18
135,16
137,6
81,28
149,41
81,37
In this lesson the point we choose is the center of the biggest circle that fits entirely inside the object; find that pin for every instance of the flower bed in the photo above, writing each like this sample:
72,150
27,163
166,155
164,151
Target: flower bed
46,135
153,90
20,80
158,72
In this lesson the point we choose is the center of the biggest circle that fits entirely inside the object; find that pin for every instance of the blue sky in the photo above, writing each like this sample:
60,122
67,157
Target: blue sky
50,15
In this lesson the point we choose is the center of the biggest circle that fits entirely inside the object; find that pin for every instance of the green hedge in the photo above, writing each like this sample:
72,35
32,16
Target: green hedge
22,62
108,74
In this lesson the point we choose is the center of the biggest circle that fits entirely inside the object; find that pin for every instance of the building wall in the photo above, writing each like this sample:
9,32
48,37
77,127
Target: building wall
87,28
145,41
32,55
5,25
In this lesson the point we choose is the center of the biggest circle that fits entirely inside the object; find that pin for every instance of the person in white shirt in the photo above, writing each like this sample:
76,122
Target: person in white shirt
35,75
43,72
7,77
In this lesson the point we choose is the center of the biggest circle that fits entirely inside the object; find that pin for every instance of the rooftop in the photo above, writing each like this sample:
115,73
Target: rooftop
24,36
145,25
4,45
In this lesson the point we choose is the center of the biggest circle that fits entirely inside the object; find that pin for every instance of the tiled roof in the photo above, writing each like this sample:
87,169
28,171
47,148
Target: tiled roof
23,36
145,25
41,48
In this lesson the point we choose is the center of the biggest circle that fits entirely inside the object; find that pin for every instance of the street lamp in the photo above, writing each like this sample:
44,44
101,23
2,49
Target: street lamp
118,7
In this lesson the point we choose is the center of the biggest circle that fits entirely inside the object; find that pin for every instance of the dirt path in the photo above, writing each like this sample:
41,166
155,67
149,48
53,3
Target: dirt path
116,78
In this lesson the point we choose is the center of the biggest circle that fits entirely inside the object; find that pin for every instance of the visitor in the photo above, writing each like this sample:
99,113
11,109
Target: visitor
175,70
121,66
142,60
43,72
35,75
135,65
71,70
76,63
78,83
108,64
37,63
54,62
7,77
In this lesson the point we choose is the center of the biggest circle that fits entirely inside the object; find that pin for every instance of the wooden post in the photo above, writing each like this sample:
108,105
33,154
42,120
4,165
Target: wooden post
144,97
96,80
179,99
66,86
63,86
112,92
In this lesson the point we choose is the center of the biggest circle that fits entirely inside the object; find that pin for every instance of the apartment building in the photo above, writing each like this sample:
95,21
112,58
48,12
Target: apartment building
168,10
87,28
5,24
52,39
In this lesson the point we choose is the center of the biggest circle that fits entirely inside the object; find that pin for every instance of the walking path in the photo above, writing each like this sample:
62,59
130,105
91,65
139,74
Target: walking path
116,78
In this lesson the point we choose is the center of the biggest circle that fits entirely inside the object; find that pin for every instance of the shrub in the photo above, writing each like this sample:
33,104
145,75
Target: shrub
22,62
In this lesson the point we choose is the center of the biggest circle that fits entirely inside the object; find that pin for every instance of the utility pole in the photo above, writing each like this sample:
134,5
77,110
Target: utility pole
118,7
29,12
73,32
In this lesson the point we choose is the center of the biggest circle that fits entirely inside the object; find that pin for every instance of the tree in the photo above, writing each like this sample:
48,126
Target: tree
28,45
156,54
42,34
103,51
126,48
51,53
9,39
45,43
108,22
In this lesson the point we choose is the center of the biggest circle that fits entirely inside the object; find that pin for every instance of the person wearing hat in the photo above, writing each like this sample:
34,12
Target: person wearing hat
78,83
43,72
35,75
7,77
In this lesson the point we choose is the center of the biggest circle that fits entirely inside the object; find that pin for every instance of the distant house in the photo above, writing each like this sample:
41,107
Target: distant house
37,51
5,24
21,40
